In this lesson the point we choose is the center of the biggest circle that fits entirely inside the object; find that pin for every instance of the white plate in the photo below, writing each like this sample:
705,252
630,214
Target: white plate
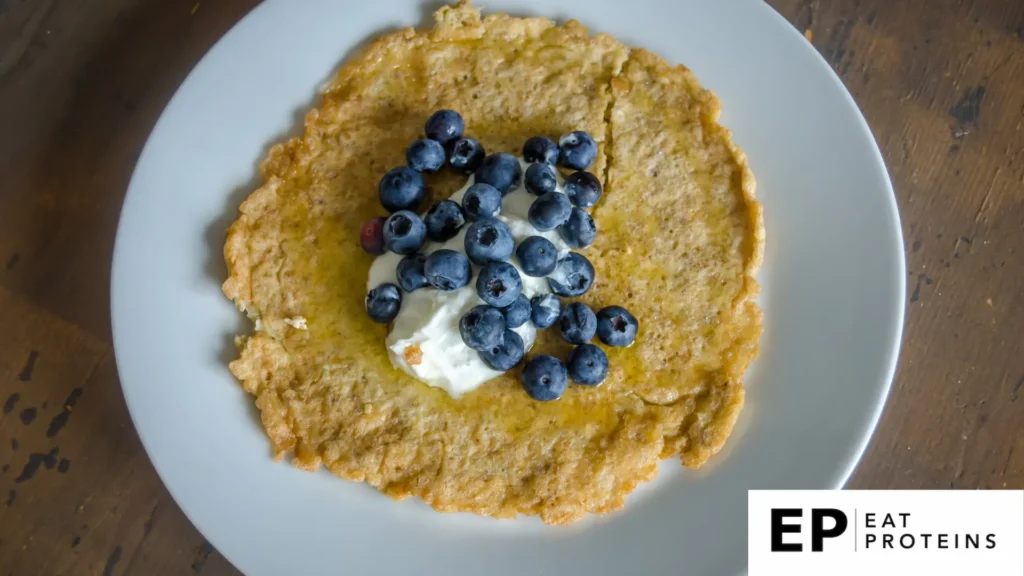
833,302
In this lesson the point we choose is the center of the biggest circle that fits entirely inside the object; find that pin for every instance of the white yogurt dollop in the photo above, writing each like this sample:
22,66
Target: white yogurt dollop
424,340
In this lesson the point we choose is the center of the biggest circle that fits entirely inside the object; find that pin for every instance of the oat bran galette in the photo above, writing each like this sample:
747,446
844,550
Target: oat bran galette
680,238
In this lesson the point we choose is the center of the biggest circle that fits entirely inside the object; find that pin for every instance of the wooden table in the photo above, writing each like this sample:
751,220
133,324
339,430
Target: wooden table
82,82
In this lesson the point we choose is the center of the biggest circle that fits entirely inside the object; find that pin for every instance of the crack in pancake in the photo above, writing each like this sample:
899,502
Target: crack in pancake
679,240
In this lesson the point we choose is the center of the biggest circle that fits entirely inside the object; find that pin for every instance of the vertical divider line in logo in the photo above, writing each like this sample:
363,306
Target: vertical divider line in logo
854,529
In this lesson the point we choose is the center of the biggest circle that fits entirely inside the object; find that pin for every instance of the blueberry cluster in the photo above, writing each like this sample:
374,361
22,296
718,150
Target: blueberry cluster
489,244
401,192
546,377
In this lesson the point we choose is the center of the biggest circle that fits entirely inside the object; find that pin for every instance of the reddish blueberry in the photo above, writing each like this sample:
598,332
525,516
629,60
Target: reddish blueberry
371,236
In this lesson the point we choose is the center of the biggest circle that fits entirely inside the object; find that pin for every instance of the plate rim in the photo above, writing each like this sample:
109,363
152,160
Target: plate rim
898,320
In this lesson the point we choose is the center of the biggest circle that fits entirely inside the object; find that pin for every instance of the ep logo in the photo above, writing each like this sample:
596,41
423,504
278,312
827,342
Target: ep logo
824,523
876,532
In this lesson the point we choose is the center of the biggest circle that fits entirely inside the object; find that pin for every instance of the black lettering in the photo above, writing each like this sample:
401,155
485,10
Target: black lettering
886,540
779,528
904,540
974,542
943,541
888,522
991,539
904,516
869,520
925,537
868,540
818,532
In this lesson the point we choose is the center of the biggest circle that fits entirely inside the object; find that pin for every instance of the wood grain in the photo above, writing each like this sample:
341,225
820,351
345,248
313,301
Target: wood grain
81,86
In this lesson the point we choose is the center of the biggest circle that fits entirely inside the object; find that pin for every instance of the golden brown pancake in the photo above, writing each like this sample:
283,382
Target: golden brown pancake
679,239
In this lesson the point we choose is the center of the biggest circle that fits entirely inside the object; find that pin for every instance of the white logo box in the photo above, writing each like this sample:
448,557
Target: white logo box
928,532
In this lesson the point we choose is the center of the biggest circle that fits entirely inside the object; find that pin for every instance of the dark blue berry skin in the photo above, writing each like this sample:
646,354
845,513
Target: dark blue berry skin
489,240
410,273
579,231
517,313
537,256
501,171
401,189
616,326
545,378
481,201
540,149
540,179
499,284
447,269
578,323
545,310
383,303
467,154
583,189
573,276
425,155
506,354
587,365
577,150
549,211
404,232
444,126
482,327
444,220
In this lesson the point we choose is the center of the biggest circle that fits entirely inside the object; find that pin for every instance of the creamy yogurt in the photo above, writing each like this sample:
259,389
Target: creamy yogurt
424,340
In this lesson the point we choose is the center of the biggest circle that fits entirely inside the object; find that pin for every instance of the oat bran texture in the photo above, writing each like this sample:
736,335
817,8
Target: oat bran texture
680,237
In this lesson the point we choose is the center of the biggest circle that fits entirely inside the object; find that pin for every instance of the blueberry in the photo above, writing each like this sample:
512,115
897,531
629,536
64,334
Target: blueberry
489,240
540,179
577,323
482,327
540,149
371,236
583,189
501,171
481,201
425,155
444,220
506,354
404,232
549,211
545,378
537,256
447,269
577,150
444,126
616,326
499,284
579,231
572,276
401,189
517,313
383,303
545,310
587,364
466,155
410,273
